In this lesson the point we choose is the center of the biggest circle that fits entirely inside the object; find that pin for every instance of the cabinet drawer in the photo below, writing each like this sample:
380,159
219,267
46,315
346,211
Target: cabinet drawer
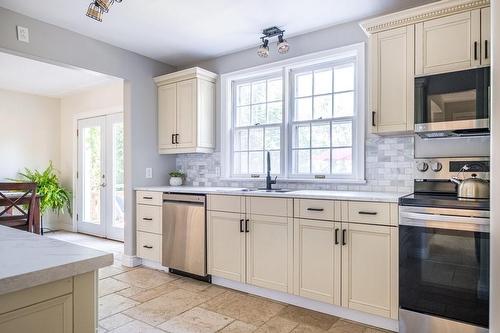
149,246
149,218
149,198
315,209
226,203
369,212
269,206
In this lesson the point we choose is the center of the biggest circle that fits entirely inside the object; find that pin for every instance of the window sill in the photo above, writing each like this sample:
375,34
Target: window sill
299,180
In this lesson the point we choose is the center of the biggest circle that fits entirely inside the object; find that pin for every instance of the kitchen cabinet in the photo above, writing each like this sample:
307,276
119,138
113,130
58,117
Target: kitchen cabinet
317,260
369,269
186,111
453,43
149,225
392,80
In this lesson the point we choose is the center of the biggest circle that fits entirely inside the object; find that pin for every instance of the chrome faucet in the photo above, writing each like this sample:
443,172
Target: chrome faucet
269,181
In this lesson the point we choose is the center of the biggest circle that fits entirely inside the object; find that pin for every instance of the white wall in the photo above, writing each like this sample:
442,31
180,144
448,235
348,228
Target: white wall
98,100
29,132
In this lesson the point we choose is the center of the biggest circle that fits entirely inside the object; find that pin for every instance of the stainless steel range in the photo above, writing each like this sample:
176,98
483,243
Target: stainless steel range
444,250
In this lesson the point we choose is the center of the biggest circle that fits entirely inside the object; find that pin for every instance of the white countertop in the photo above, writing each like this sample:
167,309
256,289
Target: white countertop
305,194
28,260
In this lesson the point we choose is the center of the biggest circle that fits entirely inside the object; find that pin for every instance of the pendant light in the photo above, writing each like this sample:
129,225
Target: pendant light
95,11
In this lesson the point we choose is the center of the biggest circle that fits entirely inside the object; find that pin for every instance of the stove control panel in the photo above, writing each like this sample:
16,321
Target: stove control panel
445,168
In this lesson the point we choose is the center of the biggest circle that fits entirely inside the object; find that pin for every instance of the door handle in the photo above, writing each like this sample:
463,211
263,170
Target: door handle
486,49
367,213
246,225
241,225
147,219
475,50
177,139
147,198
173,139
373,119
315,209
336,236
147,247
344,236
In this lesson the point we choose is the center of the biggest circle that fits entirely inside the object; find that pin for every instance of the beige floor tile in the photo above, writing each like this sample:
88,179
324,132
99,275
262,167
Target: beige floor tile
375,330
109,285
345,326
191,284
145,277
101,330
136,327
165,307
148,294
112,304
238,327
213,291
308,317
252,310
109,271
304,328
115,321
130,291
277,325
196,320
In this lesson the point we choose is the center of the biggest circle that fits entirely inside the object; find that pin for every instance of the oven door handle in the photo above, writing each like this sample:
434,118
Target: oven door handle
445,222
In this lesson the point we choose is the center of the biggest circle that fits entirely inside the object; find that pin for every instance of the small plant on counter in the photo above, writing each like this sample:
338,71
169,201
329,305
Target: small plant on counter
176,177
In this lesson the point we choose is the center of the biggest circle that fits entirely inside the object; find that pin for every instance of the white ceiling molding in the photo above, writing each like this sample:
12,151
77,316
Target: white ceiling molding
420,14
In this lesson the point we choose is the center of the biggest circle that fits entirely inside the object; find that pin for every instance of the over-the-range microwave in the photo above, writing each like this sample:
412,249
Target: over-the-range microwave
453,104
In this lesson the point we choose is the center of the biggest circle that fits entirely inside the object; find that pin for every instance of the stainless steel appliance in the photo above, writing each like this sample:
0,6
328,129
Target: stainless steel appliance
453,104
184,233
444,252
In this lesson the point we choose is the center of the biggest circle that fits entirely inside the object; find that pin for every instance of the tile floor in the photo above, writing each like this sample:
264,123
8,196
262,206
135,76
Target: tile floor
143,300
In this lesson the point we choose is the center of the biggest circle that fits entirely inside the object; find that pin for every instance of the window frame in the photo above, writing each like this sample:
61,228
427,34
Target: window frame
285,68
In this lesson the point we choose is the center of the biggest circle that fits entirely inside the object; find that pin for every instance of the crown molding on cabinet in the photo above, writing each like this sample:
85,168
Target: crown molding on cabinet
186,74
419,14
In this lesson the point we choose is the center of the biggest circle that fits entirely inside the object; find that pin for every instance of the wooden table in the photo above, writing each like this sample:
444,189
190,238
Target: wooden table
36,228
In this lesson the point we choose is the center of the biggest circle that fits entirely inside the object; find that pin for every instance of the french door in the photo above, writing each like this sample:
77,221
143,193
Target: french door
100,194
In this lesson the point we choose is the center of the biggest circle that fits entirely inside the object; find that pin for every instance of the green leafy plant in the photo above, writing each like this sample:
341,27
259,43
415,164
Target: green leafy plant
177,173
52,195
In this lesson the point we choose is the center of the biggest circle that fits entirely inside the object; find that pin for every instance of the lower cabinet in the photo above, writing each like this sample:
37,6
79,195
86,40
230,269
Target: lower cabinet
369,269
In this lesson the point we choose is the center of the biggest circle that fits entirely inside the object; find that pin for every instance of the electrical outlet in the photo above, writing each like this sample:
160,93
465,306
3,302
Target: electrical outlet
149,172
23,34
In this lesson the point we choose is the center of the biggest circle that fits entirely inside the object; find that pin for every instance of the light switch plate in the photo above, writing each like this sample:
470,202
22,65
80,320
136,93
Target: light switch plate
23,34
149,172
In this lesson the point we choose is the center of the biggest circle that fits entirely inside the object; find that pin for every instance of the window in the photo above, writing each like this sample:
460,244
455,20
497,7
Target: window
305,112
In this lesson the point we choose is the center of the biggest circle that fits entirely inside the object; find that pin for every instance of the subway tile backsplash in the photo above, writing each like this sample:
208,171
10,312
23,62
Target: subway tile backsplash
389,168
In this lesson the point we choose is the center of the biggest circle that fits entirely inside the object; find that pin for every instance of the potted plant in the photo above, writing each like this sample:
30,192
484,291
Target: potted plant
52,194
176,177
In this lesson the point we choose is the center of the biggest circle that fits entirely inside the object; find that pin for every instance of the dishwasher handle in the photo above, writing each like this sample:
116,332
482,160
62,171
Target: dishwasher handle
184,198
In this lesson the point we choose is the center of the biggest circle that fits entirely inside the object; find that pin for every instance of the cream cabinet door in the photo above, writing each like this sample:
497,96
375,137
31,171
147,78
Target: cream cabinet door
226,245
167,116
485,36
52,316
449,43
270,252
186,114
317,260
369,269
392,80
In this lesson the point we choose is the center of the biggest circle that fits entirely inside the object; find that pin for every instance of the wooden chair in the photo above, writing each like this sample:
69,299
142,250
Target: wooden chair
17,203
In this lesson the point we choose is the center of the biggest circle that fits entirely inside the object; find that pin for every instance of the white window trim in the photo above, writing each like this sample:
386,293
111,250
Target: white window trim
356,51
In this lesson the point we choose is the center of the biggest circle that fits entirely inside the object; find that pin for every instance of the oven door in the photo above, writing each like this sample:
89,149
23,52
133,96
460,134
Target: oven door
444,265
453,103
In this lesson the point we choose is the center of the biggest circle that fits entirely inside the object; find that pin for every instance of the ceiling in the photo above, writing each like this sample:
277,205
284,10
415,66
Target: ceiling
180,32
39,78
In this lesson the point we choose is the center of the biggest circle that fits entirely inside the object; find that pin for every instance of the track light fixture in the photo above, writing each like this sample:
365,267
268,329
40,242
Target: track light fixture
99,7
283,46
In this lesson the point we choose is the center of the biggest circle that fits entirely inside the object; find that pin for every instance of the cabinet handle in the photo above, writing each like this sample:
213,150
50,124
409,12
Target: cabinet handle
147,219
147,247
246,225
177,139
475,50
173,139
367,213
241,225
486,49
373,119
336,236
147,198
315,209
344,236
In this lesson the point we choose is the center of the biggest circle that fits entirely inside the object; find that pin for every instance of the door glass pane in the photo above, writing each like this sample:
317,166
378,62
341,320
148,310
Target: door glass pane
91,173
118,178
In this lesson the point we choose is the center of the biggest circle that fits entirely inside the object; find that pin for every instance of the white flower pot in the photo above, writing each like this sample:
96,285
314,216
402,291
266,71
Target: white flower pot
175,181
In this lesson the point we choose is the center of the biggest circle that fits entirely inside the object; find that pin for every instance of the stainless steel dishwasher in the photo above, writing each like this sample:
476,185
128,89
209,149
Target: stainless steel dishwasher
184,234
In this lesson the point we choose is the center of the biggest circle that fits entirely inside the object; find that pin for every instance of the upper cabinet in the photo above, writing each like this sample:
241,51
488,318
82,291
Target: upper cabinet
444,36
186,111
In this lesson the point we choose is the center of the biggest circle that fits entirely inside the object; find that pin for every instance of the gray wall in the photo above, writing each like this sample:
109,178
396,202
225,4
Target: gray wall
59,46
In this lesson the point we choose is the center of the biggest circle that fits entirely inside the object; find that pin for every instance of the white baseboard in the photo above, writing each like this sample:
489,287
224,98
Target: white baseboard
154,265
131,261
354,315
